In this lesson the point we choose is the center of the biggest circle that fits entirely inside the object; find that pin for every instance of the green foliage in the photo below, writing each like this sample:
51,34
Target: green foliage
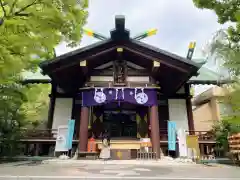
29,31
32,28
222,130
20,106
36,106
12,96
226,52
225,48
227,11
232,98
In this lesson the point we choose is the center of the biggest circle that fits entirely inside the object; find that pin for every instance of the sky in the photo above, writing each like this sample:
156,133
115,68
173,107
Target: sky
178,23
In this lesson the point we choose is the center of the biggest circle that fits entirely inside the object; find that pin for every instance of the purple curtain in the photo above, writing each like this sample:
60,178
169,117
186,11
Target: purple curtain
99,96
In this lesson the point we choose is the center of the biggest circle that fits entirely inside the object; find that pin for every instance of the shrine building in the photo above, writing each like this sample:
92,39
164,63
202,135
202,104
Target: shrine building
122,85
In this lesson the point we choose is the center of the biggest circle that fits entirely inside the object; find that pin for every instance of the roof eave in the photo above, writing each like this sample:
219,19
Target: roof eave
210,82
36,81
174,56
45,63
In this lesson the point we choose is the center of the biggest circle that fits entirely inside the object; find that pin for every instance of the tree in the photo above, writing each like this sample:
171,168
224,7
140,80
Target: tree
32,28
29,31
227,53
225,48
227,11
36,106
225,45
221,131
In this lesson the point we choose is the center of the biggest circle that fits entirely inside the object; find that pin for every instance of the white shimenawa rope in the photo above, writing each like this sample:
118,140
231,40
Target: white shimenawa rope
116,94
123,93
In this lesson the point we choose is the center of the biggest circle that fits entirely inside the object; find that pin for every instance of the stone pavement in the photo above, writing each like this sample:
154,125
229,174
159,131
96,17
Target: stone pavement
162,162
109,170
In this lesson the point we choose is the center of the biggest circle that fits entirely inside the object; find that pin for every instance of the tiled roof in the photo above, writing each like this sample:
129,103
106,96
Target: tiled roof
208,75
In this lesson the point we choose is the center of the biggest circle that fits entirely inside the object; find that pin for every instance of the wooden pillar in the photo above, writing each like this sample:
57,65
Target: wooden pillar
149,123
37,148
201,149
142,122
97,121
189,110
52,97
154,122
83,133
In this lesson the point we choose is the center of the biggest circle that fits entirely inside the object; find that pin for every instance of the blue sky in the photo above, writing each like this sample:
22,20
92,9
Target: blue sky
178,23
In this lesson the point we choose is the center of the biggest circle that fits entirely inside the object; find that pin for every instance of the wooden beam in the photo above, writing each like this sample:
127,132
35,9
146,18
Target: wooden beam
156,65
83,63
151,58
84,68
134,66
52,98
182,83
88,58
64,95
191,48
110,85
175,96
162,96
73,107
130,72
105,66
189,109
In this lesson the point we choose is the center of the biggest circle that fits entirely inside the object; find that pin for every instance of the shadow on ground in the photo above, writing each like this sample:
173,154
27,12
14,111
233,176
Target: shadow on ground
29,163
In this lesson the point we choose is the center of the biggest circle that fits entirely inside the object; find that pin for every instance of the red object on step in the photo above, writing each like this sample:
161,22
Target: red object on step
92,145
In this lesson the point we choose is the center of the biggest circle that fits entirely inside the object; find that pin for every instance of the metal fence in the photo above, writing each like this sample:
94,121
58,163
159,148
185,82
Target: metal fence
146,153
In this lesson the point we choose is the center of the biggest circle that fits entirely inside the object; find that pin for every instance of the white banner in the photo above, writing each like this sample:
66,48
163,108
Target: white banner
61,140
182,143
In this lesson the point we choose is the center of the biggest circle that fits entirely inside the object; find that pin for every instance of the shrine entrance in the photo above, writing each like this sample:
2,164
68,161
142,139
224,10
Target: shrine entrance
125,120
120,124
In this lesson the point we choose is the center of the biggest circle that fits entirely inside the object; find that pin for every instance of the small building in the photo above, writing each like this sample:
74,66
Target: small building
123,85
209,108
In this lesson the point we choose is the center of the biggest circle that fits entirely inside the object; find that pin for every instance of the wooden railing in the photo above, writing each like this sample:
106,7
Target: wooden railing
202,135
49,134
38,133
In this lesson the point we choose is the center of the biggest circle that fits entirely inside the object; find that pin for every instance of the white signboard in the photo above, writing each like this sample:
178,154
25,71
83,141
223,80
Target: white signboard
61,139
145,141
182,143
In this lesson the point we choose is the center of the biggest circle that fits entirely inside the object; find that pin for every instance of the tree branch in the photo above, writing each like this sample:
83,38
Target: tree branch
23,14
4,10
12,7
24,8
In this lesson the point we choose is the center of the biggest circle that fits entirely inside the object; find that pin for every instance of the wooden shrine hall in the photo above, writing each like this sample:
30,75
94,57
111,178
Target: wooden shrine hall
123,85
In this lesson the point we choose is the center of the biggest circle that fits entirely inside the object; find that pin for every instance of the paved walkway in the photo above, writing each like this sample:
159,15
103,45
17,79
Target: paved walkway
84,170
162,162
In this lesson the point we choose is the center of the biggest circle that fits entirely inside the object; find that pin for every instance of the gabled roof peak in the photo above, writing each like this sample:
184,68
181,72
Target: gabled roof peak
119,33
